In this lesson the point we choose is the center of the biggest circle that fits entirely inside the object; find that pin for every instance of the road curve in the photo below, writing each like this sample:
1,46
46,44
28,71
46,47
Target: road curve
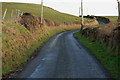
63,57
101,22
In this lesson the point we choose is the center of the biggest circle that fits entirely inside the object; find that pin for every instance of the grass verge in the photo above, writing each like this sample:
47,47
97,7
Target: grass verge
19,43
105,57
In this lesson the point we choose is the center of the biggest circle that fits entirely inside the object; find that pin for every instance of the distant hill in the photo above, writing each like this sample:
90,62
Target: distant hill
113,18
35,9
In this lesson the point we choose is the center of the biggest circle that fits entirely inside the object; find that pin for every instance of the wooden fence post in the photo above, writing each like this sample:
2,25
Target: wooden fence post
16,12
19,12
11,13
4,13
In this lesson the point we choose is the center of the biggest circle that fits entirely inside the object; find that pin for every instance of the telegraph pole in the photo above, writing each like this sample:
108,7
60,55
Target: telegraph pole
79,11
118,10
82,14
41,11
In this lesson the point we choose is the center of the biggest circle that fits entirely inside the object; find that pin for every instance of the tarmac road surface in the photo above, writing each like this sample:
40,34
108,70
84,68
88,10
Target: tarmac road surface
63,57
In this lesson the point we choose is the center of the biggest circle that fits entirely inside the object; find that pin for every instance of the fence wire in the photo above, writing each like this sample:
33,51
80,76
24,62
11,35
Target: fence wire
0,40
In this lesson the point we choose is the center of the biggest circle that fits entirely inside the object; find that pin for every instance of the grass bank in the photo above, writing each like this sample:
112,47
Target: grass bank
113,19
19,43
100,51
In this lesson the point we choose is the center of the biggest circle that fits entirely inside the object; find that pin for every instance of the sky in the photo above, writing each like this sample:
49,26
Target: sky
91,7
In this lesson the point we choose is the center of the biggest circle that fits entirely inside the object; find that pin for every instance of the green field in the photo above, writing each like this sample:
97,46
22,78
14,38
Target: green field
35,9
113,18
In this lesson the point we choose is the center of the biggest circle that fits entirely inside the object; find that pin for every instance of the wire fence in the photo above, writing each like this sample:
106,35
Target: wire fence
18,13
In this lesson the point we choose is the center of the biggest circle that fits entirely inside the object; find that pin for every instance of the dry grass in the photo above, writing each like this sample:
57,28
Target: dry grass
19,43
107,34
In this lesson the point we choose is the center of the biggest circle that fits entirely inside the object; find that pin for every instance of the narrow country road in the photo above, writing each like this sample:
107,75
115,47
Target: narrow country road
101,22
63,57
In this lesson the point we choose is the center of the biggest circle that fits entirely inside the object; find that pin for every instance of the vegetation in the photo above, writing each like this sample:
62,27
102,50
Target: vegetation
103,42
113,18
101,52
19,43
35,9
90,22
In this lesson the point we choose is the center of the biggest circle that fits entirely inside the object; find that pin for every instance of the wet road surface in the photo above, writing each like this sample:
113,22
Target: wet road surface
101,23
63,57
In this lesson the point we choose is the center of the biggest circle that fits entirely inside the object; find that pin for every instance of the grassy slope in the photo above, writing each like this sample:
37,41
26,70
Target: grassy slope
100,51
35,9
113,18
19,43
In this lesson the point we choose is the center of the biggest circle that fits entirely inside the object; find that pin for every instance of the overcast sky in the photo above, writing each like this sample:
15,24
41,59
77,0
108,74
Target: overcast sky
91,7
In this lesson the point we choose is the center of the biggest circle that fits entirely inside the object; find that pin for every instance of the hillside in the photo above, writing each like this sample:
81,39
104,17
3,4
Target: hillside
35,9
113,18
